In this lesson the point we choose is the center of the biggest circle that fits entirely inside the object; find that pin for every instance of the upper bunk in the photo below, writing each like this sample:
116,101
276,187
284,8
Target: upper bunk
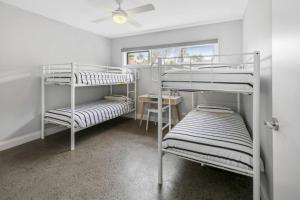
233,73
82,75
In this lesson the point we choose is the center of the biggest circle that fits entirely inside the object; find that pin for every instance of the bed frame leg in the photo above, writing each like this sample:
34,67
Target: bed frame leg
72,140
160,168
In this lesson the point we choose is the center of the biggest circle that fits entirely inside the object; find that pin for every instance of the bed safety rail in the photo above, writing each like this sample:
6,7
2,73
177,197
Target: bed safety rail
75,67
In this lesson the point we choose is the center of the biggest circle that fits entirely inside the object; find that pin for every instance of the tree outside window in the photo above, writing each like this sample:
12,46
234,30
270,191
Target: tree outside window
173,55
138,58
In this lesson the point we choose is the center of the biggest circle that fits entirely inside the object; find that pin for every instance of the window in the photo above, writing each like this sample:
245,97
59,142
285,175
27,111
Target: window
190,49
198,52
166,53
138,58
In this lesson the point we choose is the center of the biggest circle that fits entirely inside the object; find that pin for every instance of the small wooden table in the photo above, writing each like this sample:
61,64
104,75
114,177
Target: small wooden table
152,99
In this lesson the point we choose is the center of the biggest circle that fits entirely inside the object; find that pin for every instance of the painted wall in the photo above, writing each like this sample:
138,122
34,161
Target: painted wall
26,42
229,35
257,35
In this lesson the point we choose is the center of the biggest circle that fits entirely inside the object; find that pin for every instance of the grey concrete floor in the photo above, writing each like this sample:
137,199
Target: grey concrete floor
114,160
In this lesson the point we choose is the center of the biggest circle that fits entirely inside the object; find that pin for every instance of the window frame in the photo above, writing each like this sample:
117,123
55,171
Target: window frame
125,54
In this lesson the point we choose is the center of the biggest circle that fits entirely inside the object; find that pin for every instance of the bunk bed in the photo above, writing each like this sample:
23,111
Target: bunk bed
213,136
79,117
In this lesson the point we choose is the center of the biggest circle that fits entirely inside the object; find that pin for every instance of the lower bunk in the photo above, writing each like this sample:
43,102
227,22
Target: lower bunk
212,136
89,114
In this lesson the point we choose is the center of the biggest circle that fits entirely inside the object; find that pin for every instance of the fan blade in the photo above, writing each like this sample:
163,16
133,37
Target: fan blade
140,9
101,19
133,22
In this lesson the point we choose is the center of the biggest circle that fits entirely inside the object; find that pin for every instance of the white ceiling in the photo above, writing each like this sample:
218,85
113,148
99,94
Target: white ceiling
168,14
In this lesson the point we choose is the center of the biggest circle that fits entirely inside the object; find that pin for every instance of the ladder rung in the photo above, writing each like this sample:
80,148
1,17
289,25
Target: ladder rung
166,126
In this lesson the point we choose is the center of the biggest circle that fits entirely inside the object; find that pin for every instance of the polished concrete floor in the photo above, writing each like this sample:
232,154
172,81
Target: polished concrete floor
114,160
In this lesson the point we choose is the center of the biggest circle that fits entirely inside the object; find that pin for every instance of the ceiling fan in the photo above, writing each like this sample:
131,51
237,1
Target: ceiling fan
121,16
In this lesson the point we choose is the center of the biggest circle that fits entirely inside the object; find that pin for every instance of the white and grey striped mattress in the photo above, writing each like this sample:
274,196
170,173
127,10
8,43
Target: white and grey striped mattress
211,137
89,114
208,78
92,78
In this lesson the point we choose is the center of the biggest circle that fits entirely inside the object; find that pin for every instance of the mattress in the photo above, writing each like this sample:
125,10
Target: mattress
209,86
221,139
90,113
211,77
220,78
91,78
220,69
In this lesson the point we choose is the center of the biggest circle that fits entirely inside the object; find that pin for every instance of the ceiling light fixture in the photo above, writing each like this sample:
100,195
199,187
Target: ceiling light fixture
120,16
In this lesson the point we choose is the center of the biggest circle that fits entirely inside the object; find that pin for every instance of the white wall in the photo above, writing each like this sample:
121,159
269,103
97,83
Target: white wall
229,35
257,35
26,42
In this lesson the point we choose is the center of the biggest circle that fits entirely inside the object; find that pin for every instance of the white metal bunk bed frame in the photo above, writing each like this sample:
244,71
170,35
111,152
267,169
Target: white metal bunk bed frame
48,71
255,173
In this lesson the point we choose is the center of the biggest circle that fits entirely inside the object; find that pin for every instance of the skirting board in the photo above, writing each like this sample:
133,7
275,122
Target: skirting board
13,142
28,138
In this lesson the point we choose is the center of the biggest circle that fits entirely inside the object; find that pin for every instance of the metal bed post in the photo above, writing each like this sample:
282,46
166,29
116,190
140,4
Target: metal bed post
72,86
238,100
127,95
159,136
110,87
170,112
135,96
43,104
193,94
127,90
256,127
193,100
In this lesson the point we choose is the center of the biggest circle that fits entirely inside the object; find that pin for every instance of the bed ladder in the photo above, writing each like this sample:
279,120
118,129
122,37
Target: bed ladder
130,92
134,92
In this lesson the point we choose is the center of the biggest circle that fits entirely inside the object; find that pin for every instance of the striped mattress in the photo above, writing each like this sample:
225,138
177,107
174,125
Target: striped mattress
91,78
89,114
210,78
212,138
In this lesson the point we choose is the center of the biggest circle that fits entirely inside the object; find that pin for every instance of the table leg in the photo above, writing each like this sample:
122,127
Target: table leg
177,107
174,113
142,113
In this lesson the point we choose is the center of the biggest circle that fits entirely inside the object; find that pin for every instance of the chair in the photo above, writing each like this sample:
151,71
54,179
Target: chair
155,110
